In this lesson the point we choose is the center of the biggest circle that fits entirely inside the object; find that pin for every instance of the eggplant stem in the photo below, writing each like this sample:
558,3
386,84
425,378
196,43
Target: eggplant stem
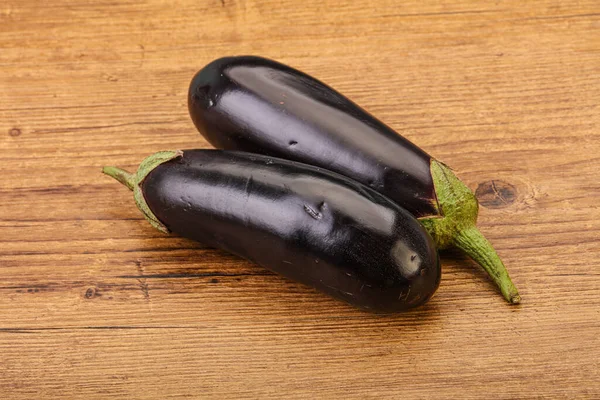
134,181
457,227
476,246
124,177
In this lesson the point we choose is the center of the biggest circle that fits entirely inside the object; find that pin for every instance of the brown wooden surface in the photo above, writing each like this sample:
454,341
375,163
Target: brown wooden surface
94,303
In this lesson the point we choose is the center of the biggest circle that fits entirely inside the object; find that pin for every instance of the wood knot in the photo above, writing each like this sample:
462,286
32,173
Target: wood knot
14,132
496,194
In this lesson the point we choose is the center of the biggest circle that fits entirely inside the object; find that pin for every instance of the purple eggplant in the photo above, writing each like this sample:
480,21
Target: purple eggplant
308,224
261,106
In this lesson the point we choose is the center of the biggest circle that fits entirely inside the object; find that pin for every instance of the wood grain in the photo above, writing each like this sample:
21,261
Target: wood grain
96,304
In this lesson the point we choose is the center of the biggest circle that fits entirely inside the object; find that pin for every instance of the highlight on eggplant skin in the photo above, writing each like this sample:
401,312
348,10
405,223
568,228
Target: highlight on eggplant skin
308,224
254,104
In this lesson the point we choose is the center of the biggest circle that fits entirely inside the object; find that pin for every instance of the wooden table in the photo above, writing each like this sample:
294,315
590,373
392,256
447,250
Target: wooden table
94,303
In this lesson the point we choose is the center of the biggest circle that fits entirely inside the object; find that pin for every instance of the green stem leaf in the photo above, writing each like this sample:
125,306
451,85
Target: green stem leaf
456,227
134,182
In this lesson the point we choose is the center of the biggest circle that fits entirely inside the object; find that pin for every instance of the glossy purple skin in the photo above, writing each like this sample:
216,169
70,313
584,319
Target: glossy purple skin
308,224
261,106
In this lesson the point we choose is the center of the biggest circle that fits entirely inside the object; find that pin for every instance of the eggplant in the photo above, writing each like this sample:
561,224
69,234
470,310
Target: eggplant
308,224
258,105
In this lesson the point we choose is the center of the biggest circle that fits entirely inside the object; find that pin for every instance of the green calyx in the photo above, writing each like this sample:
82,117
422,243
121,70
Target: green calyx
134,181
456,227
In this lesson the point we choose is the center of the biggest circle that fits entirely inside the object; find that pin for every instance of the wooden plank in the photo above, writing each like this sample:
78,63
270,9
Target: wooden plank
95,303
